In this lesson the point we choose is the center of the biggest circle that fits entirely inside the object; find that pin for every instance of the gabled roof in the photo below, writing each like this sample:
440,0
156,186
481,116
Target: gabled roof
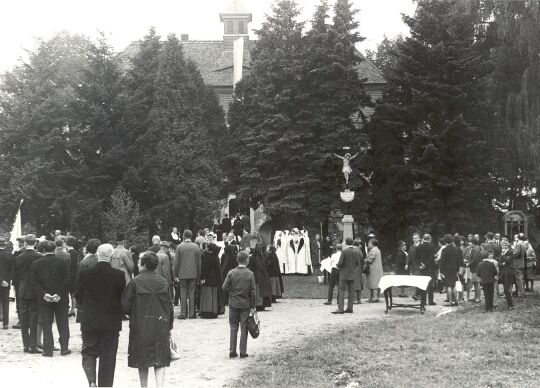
214,58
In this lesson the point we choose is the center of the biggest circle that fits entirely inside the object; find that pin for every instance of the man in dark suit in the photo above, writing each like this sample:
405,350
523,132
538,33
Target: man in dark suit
90,259
28,304
50,279
99,293
425,258
226,224
187,269
349,260
6,274
240,285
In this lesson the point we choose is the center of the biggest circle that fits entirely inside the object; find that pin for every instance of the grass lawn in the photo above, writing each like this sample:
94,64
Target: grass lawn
468,348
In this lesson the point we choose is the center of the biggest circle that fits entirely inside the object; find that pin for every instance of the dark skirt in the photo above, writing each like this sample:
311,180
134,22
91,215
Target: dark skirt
209,303
262,302
277,288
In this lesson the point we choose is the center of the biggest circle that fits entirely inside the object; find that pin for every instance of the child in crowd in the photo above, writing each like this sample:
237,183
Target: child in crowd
487,272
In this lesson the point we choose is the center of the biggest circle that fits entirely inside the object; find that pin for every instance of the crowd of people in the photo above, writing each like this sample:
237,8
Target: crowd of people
101,285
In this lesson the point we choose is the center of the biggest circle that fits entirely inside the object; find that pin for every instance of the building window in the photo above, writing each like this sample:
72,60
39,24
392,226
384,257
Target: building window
229,29
241,27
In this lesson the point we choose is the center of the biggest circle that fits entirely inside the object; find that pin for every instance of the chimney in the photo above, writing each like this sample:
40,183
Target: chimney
184,37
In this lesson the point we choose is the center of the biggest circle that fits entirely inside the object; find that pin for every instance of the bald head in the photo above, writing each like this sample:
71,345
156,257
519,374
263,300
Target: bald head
104,252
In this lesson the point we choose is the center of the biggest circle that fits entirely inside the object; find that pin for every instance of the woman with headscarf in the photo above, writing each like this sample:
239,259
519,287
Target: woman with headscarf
211,303
272,265
374,261
257,265
147,301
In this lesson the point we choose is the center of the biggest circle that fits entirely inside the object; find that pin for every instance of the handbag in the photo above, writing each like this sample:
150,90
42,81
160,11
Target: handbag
366,270
173,350
253,325
459,286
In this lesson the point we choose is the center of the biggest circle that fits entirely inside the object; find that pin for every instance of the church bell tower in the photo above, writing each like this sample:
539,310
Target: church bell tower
235,18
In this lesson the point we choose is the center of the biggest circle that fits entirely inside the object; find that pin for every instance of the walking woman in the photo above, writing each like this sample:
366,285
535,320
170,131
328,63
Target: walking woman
211,293
148,303
374,262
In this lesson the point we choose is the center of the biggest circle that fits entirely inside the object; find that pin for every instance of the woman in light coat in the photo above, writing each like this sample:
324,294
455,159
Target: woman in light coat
374,263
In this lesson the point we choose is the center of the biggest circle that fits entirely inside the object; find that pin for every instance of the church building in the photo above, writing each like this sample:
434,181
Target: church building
218,60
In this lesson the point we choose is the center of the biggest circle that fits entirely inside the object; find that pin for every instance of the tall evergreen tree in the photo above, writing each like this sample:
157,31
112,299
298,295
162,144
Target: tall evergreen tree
429,153
264,117
37,118
177,179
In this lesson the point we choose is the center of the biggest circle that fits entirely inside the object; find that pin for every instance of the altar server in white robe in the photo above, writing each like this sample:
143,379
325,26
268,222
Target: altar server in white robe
281,241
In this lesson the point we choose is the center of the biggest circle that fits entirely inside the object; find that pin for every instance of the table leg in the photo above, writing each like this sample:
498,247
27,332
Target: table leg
386,299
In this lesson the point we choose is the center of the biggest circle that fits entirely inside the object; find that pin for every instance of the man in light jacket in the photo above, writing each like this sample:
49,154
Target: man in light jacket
187,269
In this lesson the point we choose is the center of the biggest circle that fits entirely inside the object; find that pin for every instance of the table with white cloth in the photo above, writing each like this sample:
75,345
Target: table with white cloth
388,281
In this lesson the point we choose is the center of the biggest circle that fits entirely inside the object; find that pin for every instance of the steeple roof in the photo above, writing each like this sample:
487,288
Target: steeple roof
236,7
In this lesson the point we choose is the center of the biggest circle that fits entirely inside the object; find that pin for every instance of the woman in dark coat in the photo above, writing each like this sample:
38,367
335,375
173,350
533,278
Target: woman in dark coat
276,281
228,262
211,304
147,301
263,291
402,263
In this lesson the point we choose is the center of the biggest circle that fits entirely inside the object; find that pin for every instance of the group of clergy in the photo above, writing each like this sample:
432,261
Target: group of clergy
293,251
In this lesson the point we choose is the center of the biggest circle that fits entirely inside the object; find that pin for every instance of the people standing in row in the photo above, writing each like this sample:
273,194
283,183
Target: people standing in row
187,269
99,293
147,301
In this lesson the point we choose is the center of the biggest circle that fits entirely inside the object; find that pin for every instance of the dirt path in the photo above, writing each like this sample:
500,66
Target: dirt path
203,345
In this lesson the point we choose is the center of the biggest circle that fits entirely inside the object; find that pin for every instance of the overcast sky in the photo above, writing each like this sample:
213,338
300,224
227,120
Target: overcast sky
124,21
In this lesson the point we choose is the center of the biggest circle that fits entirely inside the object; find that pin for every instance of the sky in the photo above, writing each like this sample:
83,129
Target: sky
124,21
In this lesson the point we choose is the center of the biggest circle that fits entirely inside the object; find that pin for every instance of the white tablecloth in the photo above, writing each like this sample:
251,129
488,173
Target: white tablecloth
420,282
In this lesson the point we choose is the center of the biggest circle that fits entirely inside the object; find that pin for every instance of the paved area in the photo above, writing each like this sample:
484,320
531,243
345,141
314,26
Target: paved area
203,345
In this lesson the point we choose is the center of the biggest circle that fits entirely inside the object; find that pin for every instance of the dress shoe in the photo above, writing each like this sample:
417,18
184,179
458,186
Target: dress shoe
432,303
26,350
348,311
338,312
193,317
47,354
65,352
233,355
328,303
34,351
16,326
181,317
5,327
244,355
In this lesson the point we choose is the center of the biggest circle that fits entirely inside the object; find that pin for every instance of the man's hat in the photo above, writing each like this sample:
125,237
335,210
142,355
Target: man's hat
20,239
2,242
30,239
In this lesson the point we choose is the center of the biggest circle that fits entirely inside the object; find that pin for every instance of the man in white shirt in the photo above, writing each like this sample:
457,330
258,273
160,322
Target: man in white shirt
334,275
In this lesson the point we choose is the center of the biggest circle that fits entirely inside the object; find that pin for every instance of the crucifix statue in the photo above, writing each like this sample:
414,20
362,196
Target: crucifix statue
346,170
